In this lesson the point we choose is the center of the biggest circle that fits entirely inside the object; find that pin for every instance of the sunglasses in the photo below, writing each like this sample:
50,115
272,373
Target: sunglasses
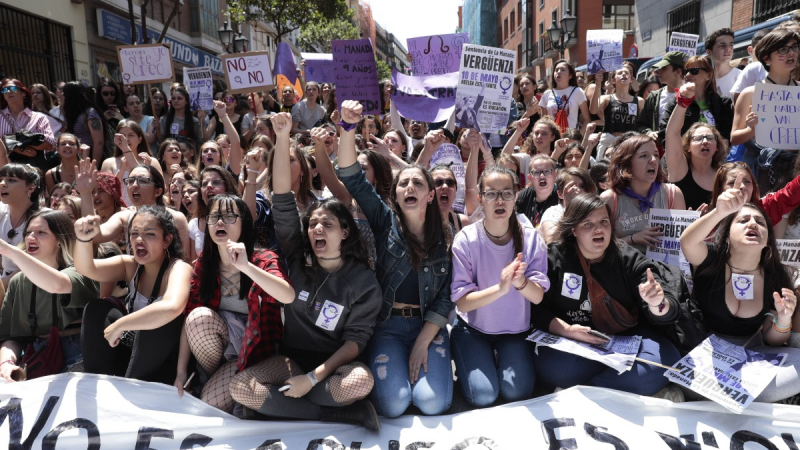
442,181
696,70
108,93
229,100
8,89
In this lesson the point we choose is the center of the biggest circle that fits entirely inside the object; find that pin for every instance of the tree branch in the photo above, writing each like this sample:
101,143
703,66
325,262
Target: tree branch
169,21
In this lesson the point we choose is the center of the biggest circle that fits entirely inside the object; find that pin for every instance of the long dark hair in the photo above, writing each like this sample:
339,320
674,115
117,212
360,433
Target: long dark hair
30,175
578,210
188,119
351,248
209,259
382,171
166,223
513,223
158,182
619,169
62,228
776,274
148,107
98,96
231,188
128,123
76,103
434,228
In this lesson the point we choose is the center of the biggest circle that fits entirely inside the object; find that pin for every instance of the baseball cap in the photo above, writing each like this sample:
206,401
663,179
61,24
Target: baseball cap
675,58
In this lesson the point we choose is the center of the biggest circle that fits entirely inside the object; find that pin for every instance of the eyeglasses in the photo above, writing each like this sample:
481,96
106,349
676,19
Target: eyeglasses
228,219
8,89
143,181
492,195
696,70
229,100
214,183
108,93
442,181
539,173
699,138
789,48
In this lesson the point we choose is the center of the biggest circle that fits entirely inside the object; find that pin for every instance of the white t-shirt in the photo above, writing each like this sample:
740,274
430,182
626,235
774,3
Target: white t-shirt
752,74
553,214
196,235
725,84
666,96
5,228
576,98
306,116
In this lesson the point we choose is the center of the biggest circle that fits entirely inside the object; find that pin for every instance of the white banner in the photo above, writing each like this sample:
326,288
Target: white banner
618,353
450,155
201,87
672,222
483,94
82,411
778,119
603,50
789,249
726,373
683,42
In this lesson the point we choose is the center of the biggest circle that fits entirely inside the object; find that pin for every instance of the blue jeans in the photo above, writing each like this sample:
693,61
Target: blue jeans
481,378
389,350
561,369
70,345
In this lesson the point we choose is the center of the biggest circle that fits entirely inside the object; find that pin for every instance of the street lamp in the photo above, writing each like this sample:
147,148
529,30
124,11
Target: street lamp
240,44
560,36
225,34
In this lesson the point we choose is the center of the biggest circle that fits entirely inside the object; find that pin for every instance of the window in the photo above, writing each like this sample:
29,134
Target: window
204,17
684,19
519,56
541,28
505,29
513,20
520,13
554,17
767,9
618,16
541,4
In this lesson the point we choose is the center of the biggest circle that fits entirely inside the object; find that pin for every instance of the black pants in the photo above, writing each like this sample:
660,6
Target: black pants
153,356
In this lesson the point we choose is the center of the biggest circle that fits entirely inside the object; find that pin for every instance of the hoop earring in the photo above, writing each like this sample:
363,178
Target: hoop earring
168,255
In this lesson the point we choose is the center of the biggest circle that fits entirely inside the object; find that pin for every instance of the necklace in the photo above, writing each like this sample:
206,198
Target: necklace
325,280
330,259
12,233
742,270
790,83
496,237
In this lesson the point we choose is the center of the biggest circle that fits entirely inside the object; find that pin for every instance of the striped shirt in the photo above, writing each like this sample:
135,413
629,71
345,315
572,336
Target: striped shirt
27,120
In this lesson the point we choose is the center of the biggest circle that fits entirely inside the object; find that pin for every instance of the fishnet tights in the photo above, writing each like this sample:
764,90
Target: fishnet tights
207,333
252,387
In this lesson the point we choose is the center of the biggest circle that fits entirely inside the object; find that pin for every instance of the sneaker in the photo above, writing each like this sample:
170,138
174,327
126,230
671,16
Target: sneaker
672,393
360,413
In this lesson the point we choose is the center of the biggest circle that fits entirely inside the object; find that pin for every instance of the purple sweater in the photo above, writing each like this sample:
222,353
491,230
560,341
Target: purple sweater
477,264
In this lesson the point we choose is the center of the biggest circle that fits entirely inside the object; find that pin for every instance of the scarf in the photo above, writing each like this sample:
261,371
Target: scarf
644,202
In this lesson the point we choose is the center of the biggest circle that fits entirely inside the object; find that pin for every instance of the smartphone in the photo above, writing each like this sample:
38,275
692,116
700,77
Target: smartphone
596,333
284,388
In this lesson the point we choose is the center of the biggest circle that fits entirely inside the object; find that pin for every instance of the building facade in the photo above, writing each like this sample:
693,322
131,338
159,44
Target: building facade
657,19
479,19
511,27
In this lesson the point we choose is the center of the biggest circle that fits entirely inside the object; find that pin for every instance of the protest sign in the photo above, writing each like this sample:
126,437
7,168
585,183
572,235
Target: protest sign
450,155
726,373
778,119
83,411
618,353
789,250
201,87
603,50
483,96
356,74
285,69
141,64
672,223
435,55
683,42
319,67
247,72
428,98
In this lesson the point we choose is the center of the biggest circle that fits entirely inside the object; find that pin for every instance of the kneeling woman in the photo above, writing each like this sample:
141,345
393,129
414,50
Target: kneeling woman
586,265
489,258
316,376
744,249
139,339
233,320
48,279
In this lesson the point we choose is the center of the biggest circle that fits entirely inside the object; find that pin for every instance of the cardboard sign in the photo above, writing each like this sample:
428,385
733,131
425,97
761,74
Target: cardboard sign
485,83
672,223
437,54
356,74
604,50
429,98
778,119
247,72
142,64
319,67
200,86
683,42
450,155
789,251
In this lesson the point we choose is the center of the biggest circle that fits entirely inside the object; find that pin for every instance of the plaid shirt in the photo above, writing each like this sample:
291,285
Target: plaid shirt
264,327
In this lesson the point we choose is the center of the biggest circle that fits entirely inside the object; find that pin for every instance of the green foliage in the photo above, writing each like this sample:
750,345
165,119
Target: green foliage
287,15
384,71
316,37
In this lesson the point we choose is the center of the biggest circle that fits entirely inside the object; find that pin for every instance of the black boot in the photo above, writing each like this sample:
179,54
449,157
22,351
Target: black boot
360,413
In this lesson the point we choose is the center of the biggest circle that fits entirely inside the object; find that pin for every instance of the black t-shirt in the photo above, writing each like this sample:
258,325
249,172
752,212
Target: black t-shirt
533,210
709,293
408,290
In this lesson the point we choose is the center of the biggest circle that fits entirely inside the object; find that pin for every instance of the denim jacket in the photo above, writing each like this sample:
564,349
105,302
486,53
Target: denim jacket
394,263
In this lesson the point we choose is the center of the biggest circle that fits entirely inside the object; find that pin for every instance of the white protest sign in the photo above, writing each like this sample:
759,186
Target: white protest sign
778,110
726,373
603,50
618,353
789,251
672,223
146,63
450,155
200,86
247,72
83,411
483,94
683,42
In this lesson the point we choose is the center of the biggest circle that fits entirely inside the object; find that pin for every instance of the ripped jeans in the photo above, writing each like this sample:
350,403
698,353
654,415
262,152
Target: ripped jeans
389,349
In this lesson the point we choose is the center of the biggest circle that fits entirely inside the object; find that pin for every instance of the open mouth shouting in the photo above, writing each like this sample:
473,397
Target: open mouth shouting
320,244
32,248
140,251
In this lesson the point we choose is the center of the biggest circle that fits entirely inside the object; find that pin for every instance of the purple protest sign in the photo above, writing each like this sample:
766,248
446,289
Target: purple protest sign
438,54
356,74
319,67
428,98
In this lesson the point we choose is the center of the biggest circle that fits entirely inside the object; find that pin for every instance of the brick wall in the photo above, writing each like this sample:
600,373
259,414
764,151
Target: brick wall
742,13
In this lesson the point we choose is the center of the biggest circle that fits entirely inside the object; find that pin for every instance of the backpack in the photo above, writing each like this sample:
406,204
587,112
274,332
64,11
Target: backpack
562,119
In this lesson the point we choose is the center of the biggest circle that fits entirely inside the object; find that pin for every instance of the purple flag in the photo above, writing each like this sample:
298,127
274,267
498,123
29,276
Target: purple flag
285,69
356,74
429,98
438,54
319,67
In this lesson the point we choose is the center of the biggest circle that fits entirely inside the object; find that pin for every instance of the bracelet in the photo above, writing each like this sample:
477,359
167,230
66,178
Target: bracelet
682,101
81,240
312,378
630,239
523,285
662,305
254,171
251,182
129,151
8,361
346,126
775,324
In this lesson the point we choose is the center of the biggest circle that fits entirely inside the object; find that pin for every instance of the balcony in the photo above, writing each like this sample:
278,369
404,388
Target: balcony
534,56
546,48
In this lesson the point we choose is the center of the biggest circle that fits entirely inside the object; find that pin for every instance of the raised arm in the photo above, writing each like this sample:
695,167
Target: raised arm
590,140
98,139
594,100
676,160
281,173
561,147
102,270
235,160
86,183
433,140
471,182
347,143
277,287
521,126
745,119
45,277
325,166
